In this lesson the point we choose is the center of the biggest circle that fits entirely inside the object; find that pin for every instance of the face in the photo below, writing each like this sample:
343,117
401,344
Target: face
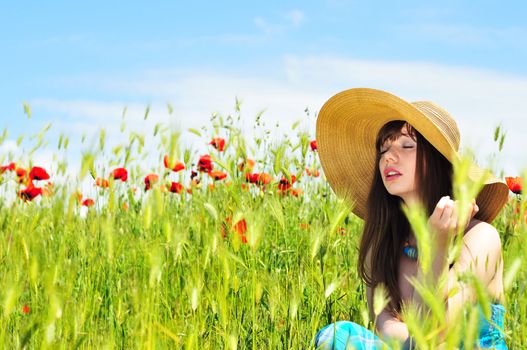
397,166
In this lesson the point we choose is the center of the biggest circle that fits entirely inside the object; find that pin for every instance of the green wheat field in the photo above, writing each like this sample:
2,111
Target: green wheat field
241,247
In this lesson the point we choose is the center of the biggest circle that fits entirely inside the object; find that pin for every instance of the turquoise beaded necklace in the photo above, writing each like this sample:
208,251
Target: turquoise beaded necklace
410,251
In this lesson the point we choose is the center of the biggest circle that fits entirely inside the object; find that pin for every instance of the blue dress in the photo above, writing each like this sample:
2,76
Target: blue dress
349,335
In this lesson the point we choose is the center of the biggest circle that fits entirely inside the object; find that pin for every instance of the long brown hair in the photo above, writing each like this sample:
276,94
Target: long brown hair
386,228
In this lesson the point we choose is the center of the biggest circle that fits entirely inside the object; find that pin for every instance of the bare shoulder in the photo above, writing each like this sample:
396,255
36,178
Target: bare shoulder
484,236
481,251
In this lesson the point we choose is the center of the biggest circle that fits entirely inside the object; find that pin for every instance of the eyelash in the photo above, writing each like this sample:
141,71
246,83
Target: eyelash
382,152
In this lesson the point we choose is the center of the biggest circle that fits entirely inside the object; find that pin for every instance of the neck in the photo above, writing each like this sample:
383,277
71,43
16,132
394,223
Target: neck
412,239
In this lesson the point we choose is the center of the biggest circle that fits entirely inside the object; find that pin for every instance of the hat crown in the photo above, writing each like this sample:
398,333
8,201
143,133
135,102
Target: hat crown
442,119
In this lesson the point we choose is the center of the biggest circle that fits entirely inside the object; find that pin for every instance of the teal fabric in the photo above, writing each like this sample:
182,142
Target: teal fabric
491,333
349,335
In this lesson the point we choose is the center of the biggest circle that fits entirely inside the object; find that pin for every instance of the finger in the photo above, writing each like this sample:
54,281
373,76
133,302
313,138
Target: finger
475,210
447,211
453,224
440,206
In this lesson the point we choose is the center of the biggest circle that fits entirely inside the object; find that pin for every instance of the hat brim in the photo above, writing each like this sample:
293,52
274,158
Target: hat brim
347,126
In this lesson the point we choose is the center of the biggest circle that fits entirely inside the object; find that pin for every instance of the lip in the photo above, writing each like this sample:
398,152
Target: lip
388,169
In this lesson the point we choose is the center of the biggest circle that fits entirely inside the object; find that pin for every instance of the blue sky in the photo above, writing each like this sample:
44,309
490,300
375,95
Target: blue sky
78,65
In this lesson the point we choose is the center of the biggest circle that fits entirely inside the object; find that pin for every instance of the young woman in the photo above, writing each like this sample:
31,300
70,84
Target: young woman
380,153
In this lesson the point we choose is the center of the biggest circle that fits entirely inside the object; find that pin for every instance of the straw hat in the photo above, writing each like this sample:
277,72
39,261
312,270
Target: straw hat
347,127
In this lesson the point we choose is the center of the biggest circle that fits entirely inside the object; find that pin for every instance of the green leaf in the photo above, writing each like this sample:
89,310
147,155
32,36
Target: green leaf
510,275
419,222
295,125
147,112
61,138
3,136
27,110
86,164
275,207
429,296
156,128
211,210
194,131
380,299
218,162
278,155
472,329
287,174
237,105
496,133
502,140
102,138
340,212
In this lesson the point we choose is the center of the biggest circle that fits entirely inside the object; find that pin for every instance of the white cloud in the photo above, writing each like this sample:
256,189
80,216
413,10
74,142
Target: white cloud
266,27
464,34
8,146
295,17
479,100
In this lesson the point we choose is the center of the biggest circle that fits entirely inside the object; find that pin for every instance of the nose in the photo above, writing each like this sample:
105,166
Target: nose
390,155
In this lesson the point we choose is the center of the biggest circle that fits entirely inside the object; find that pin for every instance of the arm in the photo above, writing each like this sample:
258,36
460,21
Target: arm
480,254
386,324
442,223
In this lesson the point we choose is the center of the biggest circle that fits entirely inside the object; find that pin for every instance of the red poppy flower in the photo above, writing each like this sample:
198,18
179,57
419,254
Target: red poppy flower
252,178
38,173
296,192
30,192
247,165
120,174
515,184
264,179
101,182
205,164
241,228
218,143
88,202
21,174
217,175
313,145
304,226
176,167
312,172
176,187
11,166
25,309
284,184
150,179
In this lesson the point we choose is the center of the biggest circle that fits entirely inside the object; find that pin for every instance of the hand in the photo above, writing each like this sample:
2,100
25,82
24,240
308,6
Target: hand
445,219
